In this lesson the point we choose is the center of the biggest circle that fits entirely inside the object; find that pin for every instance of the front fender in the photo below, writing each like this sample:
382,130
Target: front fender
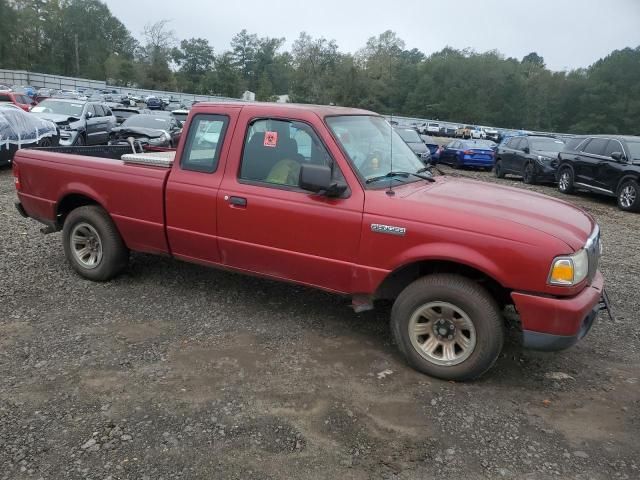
451,252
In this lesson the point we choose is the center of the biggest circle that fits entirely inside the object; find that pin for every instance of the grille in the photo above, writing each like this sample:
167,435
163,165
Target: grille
593,252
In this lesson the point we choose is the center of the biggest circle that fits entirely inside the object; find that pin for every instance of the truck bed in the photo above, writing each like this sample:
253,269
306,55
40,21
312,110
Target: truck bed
133,193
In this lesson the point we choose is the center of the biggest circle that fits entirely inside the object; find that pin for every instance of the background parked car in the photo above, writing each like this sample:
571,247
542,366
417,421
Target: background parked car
19,99
447,130
467,153
181,114
478,134
609,165
122,113
464,132
431,144
154,103
149,129
19,129
173,105
533,157
417,146
80,123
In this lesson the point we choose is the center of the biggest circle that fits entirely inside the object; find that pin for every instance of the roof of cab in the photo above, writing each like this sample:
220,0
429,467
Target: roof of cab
320,110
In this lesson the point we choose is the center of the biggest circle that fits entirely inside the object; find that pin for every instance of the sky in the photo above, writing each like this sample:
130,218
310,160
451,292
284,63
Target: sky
567,33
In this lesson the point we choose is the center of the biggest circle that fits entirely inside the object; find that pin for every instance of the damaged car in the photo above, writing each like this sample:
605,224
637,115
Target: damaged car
147,129
19,129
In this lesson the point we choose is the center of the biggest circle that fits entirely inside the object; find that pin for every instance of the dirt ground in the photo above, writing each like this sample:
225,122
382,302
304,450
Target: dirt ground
178,371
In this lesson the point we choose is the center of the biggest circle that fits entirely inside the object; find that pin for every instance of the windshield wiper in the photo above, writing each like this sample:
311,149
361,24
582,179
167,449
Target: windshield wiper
403,175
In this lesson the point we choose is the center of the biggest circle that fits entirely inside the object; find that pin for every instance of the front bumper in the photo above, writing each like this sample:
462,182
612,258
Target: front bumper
551,323
546,172
68,137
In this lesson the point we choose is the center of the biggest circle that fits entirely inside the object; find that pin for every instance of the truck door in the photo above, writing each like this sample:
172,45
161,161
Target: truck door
192,188
268,225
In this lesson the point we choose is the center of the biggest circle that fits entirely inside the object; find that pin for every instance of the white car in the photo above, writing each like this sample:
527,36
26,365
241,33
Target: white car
433,127
478,133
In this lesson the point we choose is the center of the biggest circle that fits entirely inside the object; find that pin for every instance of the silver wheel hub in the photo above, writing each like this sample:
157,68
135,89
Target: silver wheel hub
442,333
86,245
628,196
564,181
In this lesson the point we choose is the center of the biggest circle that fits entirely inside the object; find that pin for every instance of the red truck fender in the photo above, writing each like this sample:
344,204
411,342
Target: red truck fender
423,259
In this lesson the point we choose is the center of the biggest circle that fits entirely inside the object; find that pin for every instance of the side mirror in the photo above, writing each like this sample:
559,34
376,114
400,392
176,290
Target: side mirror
617,156
526,150
88,115
317,179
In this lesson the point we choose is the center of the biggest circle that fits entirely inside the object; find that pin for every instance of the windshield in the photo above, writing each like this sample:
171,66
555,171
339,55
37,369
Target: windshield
546,144
408,135
147,121
634,149
71,109
368,141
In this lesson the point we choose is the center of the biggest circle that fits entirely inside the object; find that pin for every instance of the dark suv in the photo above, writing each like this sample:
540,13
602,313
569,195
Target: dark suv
534,157
604,164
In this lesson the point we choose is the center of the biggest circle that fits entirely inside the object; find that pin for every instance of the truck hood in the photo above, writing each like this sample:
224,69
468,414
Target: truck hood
491,209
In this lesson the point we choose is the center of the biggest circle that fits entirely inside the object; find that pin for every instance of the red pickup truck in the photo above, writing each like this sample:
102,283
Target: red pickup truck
332,198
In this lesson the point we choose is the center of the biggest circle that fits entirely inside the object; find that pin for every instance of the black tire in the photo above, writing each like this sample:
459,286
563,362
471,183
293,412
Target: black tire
497,169
565,180
45,142
529,174
80,141
629,196
466,295
115,255
457,164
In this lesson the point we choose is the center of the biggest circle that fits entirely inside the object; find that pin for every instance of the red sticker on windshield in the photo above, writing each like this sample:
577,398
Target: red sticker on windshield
270,139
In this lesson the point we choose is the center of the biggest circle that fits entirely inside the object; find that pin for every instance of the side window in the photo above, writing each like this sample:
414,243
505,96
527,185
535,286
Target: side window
613,146
524,143
204,142
99,110
107,111
274,151
596,146
515,143
91,109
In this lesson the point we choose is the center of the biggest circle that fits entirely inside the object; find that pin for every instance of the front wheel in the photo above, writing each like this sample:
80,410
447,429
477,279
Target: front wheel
629,196
92,244
499,172
565,180
448,326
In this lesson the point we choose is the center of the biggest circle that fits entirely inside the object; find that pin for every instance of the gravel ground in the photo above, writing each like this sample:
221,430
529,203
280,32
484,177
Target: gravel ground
178,371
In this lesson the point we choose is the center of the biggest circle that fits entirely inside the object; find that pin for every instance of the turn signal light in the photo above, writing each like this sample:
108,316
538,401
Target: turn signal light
16,176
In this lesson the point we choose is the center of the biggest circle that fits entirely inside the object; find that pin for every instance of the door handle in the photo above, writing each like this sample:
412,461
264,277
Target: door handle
238,201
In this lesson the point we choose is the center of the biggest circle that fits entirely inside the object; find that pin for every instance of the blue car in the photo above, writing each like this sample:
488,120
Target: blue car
468,153
154,103
432,145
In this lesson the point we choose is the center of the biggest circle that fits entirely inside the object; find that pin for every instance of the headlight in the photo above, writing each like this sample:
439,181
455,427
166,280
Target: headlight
569,270
542,159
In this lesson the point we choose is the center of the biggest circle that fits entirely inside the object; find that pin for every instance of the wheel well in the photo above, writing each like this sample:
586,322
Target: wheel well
70,203
624,179
399,279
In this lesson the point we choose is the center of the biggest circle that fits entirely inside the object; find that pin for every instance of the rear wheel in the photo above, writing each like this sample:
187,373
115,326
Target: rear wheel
457,163
629,196
497,169
448,326
565,180
529,174
92,244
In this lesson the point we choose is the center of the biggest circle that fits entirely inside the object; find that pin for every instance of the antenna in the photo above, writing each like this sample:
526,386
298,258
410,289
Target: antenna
390,190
